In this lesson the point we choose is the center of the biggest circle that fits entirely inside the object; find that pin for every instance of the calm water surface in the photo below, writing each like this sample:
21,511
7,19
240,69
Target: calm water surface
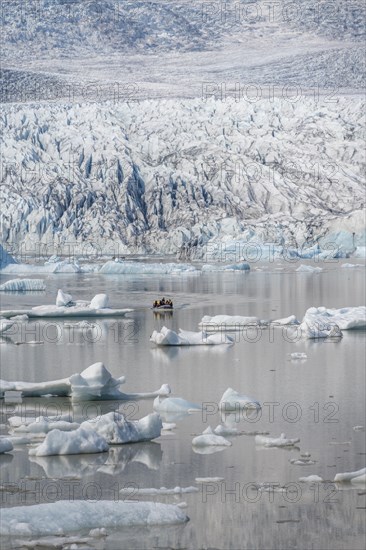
319,400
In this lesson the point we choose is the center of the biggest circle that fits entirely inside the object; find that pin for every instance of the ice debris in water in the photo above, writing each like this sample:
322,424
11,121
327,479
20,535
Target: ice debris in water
234,401
281,441
359,476
5,445
71,516
167,337
93,383
308,269
79,441
208,438
23,285
116,430
298,355
162,491
227,322
311,478
175,404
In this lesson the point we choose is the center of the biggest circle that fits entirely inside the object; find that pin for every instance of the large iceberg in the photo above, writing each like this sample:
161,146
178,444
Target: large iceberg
167,337
227,322
93,383
66,307
71,516
23,285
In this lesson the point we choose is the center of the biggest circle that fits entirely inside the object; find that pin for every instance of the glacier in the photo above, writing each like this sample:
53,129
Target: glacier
205,179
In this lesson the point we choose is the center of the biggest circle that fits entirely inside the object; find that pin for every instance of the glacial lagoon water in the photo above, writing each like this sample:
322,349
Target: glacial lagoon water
319,400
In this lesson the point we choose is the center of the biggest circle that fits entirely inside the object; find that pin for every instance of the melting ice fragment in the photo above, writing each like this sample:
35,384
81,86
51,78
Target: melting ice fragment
209,438
354,477
79,441
23,285
167,337
72,516
281,441
233,401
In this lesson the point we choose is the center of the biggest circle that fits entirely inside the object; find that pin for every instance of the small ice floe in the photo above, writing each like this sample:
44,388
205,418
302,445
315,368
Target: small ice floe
345,318
353,265
302,461
291,320
167,337
79,441
24,421
308,269
209,438
281,441
298,355
209,479
116,430
311,479
71,516
93,383
355,477
145,268
23,285
5,325
241,266
224,430
5,445
227,322
358,428
175,404
66,307
269,487
234,401
162,491
21,318
71,542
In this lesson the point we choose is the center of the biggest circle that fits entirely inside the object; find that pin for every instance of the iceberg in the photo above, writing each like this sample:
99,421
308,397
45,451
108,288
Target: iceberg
226,322
80,441
209,438
311,479
233,401
138,268
72,516
43,425
298,355
242,266
167,337
349,476
93,383
23,285
281,441
65,307
345,318
5,445
116,430
175,405
308,269
162,491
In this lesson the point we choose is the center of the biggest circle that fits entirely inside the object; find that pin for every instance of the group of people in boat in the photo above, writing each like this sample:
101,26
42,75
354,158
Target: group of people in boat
163,302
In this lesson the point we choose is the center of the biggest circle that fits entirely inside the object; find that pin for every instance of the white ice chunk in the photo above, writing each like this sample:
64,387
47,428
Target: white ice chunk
359,479
139,268
311,479
167,337
162,491
94,383
226,322
209,479
79,441
175,404
345,318
233,401
209,438
348,476
78,515
223,430
5,445
100,301
298,355
66,307
115,429
63,299
281,441
308,269
23,285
